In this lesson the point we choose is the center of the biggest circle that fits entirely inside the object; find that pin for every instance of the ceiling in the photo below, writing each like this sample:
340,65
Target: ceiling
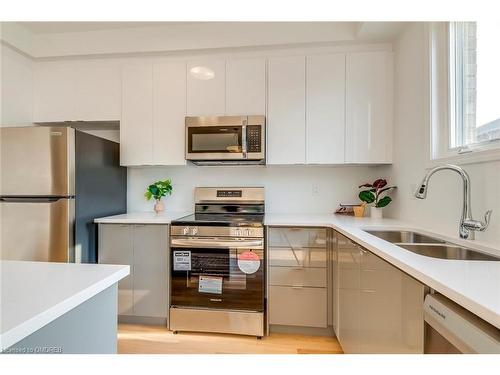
72,27
72,39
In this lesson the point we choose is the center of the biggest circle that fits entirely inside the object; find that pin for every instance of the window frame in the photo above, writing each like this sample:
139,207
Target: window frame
443,112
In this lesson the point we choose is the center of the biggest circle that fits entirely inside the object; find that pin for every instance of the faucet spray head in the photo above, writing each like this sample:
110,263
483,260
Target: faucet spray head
421,192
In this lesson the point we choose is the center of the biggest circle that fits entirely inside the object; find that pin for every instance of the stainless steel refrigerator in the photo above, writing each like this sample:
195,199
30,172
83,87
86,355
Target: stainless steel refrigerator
54,182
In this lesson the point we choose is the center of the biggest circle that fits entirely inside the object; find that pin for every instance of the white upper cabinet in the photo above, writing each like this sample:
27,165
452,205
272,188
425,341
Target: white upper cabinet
169,111
67,91
98,92
286,118
154,108
246,86
369,107
136,127
206,87
54,91
325,109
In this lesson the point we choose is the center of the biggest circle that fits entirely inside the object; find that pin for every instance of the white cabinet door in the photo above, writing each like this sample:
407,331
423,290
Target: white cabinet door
246,87
286,125
369,107
325,109
150,270
54,92
116,247
97,92
206,87
169,111
136,127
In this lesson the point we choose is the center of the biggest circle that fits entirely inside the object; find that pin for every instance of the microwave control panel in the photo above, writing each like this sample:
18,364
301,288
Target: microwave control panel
254,138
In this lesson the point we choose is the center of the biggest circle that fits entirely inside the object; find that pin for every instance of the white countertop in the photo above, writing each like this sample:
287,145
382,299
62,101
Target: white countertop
475,285
34,294
143,218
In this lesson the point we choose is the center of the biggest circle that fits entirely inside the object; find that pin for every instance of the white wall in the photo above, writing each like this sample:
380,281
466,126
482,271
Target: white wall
441,210
288,189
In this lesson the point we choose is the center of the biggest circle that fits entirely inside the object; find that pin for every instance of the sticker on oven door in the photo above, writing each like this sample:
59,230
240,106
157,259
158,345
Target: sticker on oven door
210,284
182,260
248,262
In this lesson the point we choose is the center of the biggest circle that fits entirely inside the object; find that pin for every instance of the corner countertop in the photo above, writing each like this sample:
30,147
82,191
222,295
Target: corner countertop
34,294
475,285
143,218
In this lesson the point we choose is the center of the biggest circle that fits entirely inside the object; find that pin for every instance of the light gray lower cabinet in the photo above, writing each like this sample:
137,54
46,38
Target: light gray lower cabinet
144,293
298,277
116,247
380,308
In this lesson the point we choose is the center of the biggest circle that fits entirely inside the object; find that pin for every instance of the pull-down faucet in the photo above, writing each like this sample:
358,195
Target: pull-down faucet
467,224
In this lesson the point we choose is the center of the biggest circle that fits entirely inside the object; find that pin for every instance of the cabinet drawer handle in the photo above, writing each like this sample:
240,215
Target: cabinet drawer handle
297,286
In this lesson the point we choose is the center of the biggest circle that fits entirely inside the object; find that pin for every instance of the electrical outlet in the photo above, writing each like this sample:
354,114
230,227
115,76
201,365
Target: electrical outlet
315,190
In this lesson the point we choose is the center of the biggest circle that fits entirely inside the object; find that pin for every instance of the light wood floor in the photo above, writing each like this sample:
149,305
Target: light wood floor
143,339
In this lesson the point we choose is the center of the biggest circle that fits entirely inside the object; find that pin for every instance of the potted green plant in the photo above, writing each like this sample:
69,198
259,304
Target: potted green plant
376,193
158,190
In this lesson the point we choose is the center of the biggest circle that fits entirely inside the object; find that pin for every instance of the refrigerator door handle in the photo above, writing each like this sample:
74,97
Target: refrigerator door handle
32,199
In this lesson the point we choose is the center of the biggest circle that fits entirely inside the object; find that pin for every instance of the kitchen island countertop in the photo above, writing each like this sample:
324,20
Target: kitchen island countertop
34,294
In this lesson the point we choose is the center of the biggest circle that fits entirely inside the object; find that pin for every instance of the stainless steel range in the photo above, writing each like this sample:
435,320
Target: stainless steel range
217,263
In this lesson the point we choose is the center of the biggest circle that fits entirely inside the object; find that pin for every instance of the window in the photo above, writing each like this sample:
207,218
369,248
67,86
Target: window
466,85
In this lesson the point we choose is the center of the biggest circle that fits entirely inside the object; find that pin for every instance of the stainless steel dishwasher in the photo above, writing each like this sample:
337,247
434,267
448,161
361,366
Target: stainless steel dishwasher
451,329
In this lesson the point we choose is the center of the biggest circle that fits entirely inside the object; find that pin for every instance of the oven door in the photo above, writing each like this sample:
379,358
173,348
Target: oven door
217,273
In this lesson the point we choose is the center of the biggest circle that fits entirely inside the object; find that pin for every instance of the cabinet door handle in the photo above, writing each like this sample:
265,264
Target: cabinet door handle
297,286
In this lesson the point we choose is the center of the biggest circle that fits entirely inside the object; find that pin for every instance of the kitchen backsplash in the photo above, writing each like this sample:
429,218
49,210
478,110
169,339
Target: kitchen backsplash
292,189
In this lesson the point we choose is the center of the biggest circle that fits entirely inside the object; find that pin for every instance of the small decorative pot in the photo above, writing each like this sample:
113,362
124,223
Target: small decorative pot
359,211
376,212
159,206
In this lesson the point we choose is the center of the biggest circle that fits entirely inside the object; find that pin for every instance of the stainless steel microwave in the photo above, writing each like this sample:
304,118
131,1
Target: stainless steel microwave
226,140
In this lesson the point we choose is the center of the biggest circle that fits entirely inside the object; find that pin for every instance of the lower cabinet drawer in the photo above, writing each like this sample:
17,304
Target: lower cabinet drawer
306,307
298,276
297,257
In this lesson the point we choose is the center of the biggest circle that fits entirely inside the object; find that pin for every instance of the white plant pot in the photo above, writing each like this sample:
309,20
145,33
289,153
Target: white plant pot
376,212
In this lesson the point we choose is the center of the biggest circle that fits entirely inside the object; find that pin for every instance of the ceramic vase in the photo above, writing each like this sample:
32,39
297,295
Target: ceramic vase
159,206
376,212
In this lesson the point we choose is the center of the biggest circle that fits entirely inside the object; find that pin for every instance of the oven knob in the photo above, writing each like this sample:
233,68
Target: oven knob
185,230
238,232
247,232
194,231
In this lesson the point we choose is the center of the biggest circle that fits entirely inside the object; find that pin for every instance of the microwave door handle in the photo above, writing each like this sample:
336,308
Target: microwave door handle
244,138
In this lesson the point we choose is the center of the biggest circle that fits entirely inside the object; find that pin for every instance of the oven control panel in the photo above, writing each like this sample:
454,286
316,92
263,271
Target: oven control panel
213,231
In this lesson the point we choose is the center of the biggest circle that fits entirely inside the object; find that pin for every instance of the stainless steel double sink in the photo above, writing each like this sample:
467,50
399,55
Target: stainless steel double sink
429,246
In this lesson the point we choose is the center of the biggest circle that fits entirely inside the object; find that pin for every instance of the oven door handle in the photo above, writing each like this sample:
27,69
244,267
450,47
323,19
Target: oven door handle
217,243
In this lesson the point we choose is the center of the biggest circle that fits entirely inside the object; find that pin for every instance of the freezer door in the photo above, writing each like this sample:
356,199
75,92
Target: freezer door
37,229
37,161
